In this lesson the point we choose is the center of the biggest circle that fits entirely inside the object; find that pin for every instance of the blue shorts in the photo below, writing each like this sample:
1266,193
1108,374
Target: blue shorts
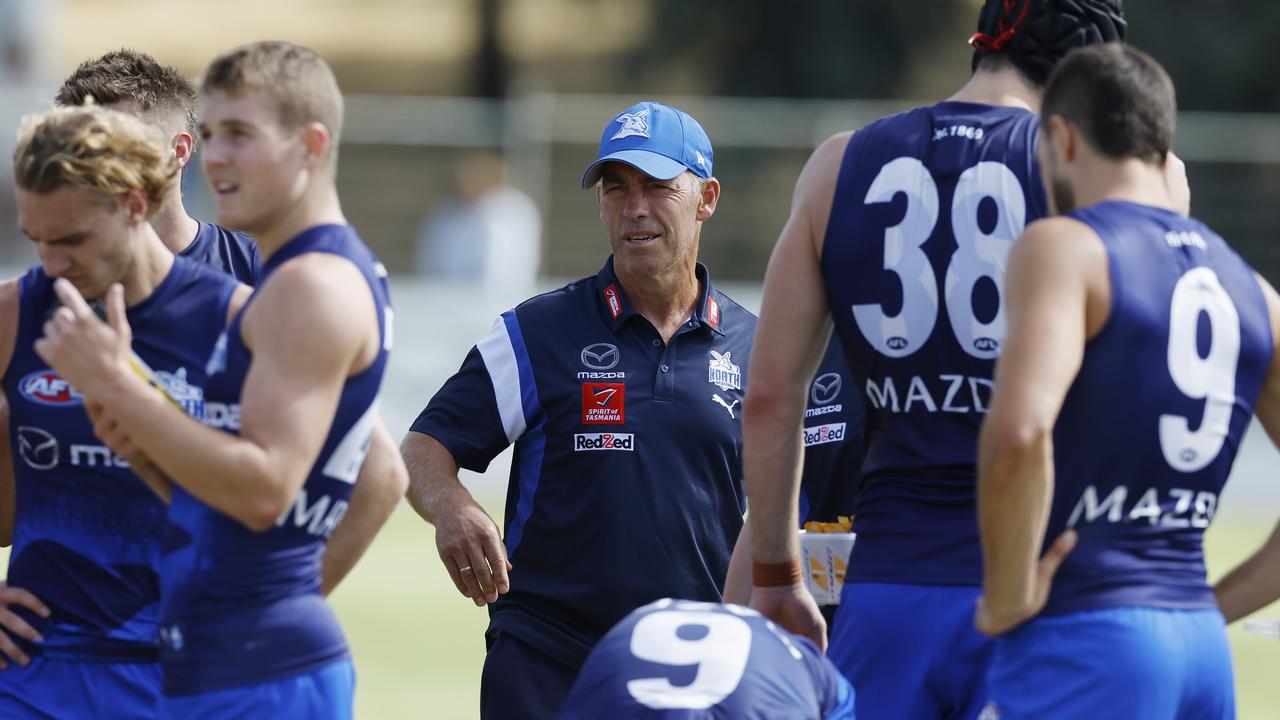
1131,663
911,652
326,693
61,688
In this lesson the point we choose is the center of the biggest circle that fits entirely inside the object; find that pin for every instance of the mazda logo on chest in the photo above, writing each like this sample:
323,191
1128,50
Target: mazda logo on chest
600,356
38,448
826,388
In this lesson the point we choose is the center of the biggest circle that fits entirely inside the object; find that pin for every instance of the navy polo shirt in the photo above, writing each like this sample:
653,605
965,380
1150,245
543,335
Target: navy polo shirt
626,485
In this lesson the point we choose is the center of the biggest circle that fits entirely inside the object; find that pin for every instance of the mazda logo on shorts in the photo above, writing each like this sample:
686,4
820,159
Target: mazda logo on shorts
37,447
826,388
601,356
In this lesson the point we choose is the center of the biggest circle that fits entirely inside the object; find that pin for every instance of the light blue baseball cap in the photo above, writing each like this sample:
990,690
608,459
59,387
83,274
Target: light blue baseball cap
656,139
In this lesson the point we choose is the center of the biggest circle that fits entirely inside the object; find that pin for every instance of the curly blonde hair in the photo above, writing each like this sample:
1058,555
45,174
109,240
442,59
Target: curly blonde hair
102,150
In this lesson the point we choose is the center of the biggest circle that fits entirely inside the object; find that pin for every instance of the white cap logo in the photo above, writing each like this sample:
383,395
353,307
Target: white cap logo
632,124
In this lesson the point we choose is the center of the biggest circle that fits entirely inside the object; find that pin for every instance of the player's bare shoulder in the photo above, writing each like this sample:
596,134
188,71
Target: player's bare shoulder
10,301
816,187
318,295
1061,249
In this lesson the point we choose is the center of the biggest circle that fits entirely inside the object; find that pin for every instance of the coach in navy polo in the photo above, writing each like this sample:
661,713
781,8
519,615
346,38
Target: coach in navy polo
622,393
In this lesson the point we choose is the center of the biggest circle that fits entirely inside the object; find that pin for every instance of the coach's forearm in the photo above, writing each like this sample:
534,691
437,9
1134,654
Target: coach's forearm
433,475
1253,584
1015,486
382,482
772,454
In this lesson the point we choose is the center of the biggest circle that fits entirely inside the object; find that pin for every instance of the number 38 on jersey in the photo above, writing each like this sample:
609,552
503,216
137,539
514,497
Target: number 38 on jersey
979,254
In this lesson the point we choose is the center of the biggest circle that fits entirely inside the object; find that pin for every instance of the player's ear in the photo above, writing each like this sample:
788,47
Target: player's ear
317,139
184,146
1064,136
135,205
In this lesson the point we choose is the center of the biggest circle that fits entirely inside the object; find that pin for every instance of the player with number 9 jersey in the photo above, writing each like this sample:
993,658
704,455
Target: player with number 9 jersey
705,661
1137,352
926,208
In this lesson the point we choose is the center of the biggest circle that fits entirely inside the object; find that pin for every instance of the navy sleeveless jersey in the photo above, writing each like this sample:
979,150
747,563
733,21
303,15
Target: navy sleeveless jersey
88,532
1152,423
230,251
927,205
705,661
833,440
240,607
626,485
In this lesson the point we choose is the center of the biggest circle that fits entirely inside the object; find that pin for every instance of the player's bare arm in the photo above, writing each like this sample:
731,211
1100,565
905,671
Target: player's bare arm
300,361
10,622
467,539
115,437
737,582
1056,297
1255,583
382,482
791,336
8,336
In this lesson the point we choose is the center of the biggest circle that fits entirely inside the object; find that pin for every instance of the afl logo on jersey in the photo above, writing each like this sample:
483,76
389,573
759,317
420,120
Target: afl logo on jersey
48,388
986,344
896,343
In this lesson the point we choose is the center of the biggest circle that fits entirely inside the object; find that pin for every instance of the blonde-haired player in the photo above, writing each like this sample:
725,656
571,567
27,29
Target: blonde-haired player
81,609
291,405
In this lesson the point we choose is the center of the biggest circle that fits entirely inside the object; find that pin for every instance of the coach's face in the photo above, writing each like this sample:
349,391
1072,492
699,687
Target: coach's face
82,235
256,168
653,224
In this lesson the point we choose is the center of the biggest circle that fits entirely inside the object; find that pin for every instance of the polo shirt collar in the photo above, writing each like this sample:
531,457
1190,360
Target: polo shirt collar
617,309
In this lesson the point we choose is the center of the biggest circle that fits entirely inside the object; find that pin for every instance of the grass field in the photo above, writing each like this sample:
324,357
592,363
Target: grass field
419,645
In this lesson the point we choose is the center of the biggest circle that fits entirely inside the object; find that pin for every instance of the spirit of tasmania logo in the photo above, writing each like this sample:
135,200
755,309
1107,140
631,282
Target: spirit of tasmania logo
48,388
603,403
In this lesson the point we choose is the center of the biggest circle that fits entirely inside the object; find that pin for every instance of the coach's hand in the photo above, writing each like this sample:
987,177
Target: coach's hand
993,620
12,623
792,607
472,549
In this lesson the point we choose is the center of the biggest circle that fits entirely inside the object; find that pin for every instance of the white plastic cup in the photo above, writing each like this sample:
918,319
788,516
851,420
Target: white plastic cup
825,557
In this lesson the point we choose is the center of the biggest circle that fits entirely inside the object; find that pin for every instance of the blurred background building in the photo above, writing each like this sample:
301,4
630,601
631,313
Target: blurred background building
431,82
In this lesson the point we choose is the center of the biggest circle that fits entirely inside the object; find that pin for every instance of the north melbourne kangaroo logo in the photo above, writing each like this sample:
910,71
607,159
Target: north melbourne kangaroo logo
727,406
632,124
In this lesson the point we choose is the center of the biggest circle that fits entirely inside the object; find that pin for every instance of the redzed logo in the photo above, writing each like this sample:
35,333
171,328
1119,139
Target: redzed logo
615,305
603,403
604,441
713,311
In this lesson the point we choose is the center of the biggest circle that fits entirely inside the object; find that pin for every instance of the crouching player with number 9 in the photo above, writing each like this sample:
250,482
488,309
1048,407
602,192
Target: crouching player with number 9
704,661
1139,344
290,406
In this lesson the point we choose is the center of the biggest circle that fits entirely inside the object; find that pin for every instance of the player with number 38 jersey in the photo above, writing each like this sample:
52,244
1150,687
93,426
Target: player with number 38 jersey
705,661
904,226
927,205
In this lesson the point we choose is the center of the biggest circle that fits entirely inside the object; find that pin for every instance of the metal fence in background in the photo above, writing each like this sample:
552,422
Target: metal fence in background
399,153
